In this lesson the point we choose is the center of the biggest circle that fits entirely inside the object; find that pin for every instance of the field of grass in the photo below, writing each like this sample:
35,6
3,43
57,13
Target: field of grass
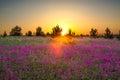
45,58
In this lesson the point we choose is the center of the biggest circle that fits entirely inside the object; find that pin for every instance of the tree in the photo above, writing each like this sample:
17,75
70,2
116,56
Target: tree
73,33
56,30
42,34
119,32
48,34
118,35
81,35
4,34
38,31
93,32
29,33
70,32
108,33
16,31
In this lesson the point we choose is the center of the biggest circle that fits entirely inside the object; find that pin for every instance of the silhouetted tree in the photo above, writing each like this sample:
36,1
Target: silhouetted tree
81,35
16,31
119,32
108,33
4,34
56,30
38,31
29,33
73,33
93,33
118,35
48,34
42,33
70,32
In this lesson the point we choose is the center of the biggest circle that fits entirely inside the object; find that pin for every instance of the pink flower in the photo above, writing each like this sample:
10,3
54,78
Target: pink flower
107,64
9,58
59,70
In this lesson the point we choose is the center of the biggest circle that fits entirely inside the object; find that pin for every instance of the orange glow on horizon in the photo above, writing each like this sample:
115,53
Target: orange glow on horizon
58,45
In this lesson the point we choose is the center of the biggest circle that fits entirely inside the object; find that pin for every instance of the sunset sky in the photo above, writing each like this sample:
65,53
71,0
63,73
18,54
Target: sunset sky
78,15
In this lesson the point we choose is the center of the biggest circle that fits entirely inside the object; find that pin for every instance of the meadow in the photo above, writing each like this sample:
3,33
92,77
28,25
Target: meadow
46,58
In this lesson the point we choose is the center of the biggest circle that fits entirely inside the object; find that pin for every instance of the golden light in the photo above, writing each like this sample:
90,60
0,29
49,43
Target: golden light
63,31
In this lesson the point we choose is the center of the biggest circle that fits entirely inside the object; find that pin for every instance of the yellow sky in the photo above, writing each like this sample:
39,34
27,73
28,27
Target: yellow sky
78,15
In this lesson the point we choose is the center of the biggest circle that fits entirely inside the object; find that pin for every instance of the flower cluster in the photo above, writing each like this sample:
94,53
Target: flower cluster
86,59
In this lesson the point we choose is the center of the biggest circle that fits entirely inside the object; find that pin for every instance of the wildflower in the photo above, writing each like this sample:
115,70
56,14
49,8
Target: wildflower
9,58
59,70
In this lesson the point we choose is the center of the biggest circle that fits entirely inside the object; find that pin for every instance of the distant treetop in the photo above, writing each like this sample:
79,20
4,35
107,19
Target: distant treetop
16,31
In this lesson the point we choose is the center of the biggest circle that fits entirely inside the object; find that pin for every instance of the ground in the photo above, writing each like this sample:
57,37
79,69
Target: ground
62,58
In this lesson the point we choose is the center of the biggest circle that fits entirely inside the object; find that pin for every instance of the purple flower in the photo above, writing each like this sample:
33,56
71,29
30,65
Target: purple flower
107,64
9,58
60,70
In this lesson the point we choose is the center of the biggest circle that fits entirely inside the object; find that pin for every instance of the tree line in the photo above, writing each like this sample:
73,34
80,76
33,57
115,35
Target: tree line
17,31
56,31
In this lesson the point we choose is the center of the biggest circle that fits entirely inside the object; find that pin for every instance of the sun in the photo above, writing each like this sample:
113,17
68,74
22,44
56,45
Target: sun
63,31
